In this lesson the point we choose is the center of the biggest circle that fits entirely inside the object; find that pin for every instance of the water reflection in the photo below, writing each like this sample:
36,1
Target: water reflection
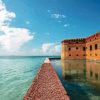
81,70
93,73
81,79
73,69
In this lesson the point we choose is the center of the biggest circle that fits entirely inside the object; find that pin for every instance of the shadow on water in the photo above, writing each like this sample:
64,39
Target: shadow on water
80,78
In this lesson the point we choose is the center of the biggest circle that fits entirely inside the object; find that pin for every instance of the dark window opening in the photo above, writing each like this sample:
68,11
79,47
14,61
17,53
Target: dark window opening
84,48
84,55
77,55
96,76
69,49
96,46
90,47
76,47
69,55
95,54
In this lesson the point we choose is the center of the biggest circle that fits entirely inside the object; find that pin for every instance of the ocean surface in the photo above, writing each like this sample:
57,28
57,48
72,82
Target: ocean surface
16,75
81,79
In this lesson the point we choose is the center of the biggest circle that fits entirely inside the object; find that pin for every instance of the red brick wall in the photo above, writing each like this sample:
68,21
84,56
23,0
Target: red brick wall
80,43
93,54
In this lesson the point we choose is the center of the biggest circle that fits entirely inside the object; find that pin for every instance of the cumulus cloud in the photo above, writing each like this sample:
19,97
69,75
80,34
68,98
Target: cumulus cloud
5,16
35,50
58,16
12,38
51,48
48,49
66,25
27,22
48,11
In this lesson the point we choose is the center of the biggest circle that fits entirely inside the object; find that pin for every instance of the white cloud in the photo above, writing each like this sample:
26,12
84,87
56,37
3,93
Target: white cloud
47,46
34,50
12,38
47,49
27,22
58,16
66,25
5,16
50,48
48,11
63,16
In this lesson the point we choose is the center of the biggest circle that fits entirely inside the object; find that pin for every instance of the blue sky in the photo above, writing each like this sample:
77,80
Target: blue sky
44,24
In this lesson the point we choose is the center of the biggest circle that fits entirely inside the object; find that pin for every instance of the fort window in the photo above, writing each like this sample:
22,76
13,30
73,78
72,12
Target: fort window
69,55
96,76
76,47
96,46
95,54
77,55
69,49
84,55
84,48
90,47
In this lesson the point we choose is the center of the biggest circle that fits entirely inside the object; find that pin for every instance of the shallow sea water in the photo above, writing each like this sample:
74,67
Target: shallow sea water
16,75
80,78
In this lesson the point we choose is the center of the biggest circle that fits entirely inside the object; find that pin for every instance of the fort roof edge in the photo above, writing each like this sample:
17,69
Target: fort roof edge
84,39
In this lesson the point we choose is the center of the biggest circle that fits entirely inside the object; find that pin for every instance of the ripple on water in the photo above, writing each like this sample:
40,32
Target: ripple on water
16,76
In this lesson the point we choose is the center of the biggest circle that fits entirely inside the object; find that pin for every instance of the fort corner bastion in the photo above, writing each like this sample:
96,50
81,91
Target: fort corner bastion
82,48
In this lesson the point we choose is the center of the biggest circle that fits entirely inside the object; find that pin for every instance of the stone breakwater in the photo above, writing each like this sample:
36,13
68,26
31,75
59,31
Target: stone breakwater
46,85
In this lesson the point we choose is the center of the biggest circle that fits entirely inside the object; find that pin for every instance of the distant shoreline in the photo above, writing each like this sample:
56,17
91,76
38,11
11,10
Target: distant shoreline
50,57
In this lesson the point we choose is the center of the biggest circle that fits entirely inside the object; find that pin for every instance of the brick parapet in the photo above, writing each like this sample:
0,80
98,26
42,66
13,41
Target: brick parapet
82,40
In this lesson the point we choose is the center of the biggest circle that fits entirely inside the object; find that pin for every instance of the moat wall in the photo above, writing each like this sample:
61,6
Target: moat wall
46,85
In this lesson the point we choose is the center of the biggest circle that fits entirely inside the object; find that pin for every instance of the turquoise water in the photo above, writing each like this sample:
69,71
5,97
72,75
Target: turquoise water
16,75
80,78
